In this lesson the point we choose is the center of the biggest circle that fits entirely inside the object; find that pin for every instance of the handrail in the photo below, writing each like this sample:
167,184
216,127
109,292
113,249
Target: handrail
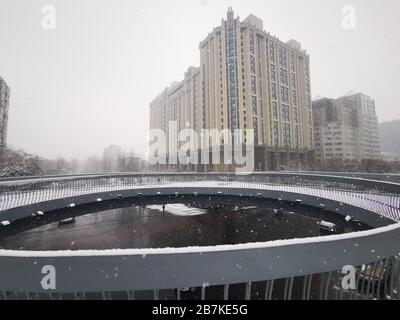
377,193
376,184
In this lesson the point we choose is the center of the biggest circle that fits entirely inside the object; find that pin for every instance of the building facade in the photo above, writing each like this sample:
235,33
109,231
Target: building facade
181,102
390,138
346,129
4,105
247,79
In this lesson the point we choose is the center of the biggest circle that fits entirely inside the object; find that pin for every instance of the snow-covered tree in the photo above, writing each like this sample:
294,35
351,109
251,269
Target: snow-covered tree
19,163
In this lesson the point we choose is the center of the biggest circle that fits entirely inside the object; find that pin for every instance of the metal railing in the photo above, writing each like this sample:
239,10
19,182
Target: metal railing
377,196
287,269
374,281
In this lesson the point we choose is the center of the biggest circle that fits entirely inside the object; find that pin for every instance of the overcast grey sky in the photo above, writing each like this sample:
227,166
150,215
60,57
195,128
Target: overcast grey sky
89,82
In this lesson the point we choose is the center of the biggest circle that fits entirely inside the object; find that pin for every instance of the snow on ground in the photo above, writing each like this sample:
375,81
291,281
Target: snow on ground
178,209
355,237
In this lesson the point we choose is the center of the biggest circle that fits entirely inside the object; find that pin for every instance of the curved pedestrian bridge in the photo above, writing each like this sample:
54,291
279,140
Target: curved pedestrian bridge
284,269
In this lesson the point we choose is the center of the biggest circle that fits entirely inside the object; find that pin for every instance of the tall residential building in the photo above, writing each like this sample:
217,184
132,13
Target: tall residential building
4,104
181,102
390,137
247,79
346,129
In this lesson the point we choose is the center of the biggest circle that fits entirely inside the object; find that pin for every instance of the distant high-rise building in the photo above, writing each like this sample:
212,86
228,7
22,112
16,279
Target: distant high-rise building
346,129
247,79
4,104
390,137
181,103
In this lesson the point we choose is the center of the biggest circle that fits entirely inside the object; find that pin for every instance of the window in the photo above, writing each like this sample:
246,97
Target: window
274,94
295,116
273,73
284,77
292,62
282,57
285,94
285,113
251,35
255,127
272,52
294,98
286,134
254,104
276,133
252,65
253,85
274,110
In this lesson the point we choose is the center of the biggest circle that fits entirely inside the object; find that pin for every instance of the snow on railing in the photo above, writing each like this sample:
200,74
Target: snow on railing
378,196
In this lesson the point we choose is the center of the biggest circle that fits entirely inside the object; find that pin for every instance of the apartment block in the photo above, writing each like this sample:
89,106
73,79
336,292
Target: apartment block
390,138
247,79
346,129
180,103
4,105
